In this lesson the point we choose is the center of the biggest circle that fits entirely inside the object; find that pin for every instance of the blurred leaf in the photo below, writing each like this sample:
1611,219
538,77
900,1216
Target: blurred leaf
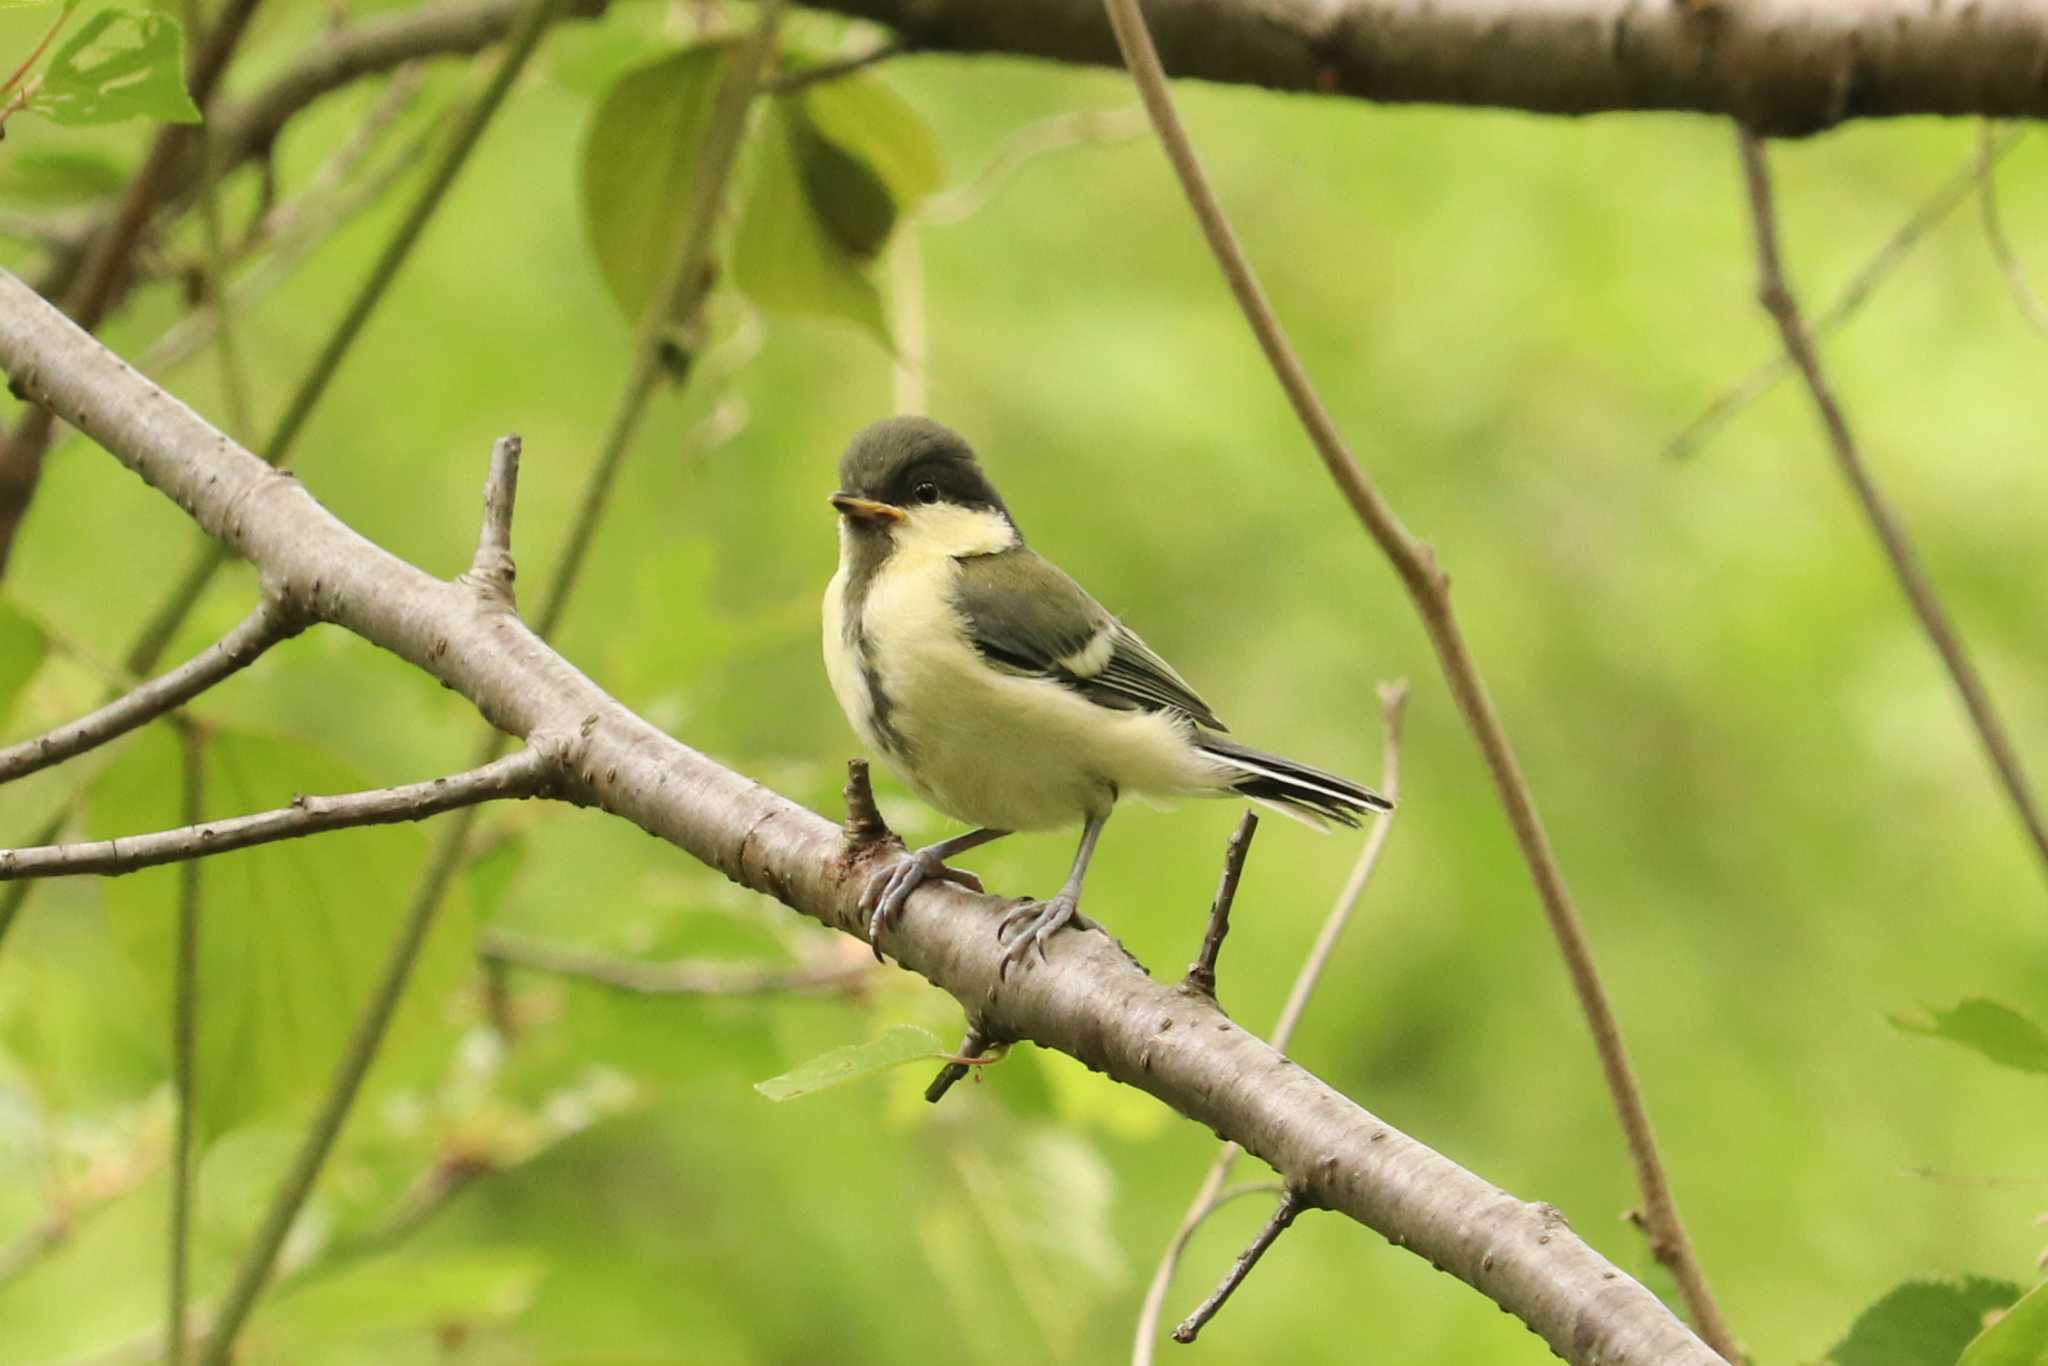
43,176
639,164
1922,1323
121,64
898,1044
293,935
1997,1031
787,258
22,647
427,1290
851,202
2018,1338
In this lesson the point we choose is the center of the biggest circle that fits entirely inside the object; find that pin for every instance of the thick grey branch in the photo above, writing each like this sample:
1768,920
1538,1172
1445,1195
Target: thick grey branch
1782,66
528,773
1089,1001
270,623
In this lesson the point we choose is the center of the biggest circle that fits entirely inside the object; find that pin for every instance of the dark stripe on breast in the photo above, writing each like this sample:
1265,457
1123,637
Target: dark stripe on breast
867,551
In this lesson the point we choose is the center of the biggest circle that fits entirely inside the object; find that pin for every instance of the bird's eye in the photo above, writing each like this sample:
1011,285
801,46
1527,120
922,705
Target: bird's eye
927,492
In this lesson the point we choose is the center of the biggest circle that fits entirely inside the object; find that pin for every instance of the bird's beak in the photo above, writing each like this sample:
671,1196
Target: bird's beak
865,509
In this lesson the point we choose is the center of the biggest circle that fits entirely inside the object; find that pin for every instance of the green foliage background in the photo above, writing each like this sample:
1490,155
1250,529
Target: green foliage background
1763,793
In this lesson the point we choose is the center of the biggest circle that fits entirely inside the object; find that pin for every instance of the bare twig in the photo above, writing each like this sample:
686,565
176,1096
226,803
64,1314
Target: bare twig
681,977
213,274
264,627
1730,402
1211,1195
789,82
492,570
1290,1205
527,773
1777,300
972,1044
1201,974
184,1054
864,823
106,262
1429,588
2009,265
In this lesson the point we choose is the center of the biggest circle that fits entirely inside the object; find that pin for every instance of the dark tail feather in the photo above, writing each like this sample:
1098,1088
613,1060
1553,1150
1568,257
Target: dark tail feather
1306,793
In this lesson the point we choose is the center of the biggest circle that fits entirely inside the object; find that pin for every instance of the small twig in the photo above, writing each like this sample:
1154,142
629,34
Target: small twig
1429,589
491,570
528,773
1024,146
682,977
36,53
1994,233
971,1046
1290,1205
268,624
789,82
184,1054
1777,300
864,823
1209,1197
214,274
1730,402
1202,972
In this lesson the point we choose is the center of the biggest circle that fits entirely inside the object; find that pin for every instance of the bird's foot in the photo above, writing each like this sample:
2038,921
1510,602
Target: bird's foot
1032,923
888,890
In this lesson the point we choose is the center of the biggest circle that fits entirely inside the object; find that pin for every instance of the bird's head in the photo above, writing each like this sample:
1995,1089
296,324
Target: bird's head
911,478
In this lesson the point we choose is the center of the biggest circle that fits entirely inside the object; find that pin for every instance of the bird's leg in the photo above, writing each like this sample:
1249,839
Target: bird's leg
889,889
1037,921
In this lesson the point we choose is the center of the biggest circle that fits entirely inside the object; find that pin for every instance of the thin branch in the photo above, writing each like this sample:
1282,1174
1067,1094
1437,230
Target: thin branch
789,82
864,823
535,18
1726,406
1091,1003
184,1053
106,263
972,1046
2009,265
234,387
1201,974
681,977
1290,1205
270,623
1429,588
1777,300
1211,1196
529,773
492,570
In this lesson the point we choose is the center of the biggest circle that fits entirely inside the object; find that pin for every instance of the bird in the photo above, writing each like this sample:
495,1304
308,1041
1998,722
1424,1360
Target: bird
1001,692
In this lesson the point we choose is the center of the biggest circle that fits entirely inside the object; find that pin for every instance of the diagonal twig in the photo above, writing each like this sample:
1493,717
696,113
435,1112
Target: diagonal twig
1201,974
1282,1218
2008,260
1429,589
1777,300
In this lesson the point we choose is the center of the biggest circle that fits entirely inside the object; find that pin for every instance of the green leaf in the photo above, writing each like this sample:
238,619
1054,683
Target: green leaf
293,935
1922,1323
1997,1031
2018,1338
22,648
640,163
898,1044
787,258
121,64
40,176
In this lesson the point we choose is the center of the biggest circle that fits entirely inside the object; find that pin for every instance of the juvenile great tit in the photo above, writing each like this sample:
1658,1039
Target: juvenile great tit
1001,692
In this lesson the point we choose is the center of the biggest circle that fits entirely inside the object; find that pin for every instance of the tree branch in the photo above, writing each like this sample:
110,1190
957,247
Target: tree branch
529,773
270,623
1089,1001
184,1056
1891,533
1785,66
2030,305
1429,589
1282,1218
1201,974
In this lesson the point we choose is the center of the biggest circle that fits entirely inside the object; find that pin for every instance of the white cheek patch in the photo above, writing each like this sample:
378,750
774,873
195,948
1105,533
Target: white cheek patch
1092,658
949,531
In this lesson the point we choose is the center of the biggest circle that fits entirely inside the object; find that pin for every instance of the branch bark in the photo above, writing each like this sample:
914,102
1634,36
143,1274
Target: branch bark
1786,67
1089,1001
525,774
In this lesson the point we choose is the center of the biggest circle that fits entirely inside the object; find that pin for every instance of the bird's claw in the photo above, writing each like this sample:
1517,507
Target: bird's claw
889,891
1032,922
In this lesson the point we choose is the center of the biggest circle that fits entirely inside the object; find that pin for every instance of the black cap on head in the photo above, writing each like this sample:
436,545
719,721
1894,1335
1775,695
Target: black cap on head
907,461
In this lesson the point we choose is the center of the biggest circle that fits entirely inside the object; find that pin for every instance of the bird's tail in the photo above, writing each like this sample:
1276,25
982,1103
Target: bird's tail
1307,794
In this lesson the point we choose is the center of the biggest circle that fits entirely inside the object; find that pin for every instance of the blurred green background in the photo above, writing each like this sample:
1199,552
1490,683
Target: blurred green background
1762,790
